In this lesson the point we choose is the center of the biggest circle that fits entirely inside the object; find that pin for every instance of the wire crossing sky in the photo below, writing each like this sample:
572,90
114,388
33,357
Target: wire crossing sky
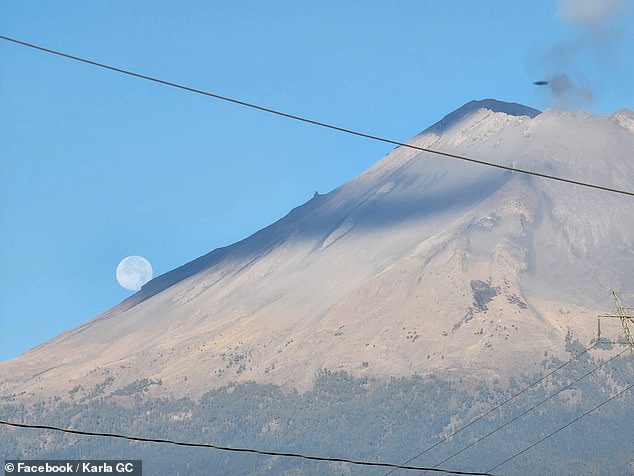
321,124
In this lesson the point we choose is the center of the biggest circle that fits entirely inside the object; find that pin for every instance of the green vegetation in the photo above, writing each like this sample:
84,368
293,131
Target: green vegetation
138,386
343,416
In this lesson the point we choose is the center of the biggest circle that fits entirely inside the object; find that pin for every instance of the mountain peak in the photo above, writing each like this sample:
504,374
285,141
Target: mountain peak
493,105
510,108
418,265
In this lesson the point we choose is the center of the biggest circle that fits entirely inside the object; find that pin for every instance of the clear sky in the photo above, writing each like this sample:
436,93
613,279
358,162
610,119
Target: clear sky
95,166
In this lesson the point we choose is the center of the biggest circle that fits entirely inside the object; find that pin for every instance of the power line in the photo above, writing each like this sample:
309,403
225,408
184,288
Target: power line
454,433
531,408
312,121
563,427
239,450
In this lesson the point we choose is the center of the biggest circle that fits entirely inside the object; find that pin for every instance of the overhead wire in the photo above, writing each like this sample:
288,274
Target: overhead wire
496,407
562,428
240,450
314,122
532,408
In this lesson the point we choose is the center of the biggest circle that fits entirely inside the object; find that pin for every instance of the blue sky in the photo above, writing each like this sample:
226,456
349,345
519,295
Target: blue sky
95,166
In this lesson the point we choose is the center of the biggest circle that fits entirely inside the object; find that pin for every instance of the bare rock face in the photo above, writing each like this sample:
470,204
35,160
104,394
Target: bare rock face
422,264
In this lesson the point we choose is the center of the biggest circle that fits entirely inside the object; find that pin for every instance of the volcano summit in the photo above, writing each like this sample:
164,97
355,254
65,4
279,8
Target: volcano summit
421,266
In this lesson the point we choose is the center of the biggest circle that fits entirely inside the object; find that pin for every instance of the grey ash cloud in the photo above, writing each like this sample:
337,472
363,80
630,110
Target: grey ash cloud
595,33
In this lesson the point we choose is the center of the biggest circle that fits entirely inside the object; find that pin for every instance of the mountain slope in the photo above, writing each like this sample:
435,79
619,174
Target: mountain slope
422,264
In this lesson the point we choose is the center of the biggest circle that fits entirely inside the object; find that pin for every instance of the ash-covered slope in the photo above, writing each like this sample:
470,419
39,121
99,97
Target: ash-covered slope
421,264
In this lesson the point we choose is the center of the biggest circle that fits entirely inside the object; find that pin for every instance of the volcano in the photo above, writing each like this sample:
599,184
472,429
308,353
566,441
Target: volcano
421,265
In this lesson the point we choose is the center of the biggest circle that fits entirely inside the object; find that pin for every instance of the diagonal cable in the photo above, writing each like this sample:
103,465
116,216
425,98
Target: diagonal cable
563,427
314,122
238,450
488,412
532,408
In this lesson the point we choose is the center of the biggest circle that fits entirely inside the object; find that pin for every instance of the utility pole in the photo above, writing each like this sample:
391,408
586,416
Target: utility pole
627,320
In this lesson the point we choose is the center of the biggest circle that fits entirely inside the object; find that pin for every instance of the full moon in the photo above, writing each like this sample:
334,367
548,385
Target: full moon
133,272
